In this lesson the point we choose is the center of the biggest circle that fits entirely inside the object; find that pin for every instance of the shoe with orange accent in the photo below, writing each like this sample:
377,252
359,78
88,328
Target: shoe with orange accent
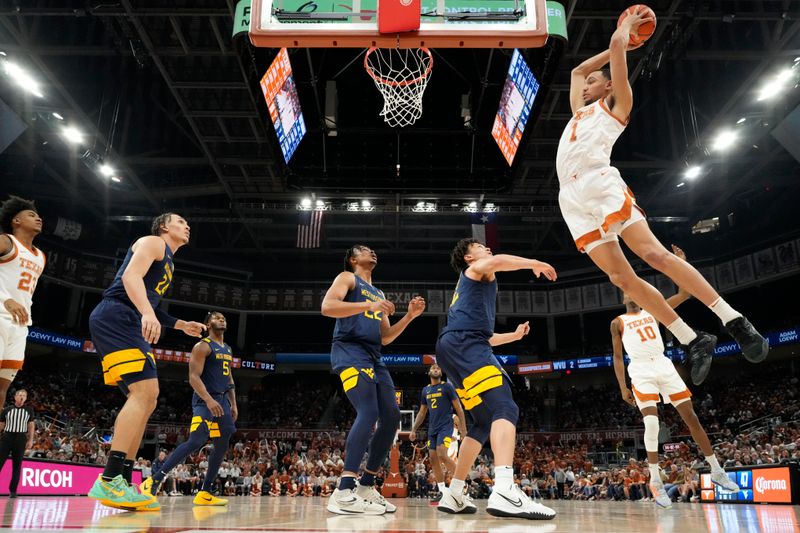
118,494
206,498
660,495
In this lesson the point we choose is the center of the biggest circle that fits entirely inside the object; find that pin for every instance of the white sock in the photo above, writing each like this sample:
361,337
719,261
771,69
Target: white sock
724,311
713,463
655,475
503,477
457,489
682,332
441,486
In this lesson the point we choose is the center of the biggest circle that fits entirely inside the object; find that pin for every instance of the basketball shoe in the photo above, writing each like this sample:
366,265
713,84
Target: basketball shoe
206,498
660,495
754,347
512,502
348,502
720,477
119,495
449,504
699,353
371,494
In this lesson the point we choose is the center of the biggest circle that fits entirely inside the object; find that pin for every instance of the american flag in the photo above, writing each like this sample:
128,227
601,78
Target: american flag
309,228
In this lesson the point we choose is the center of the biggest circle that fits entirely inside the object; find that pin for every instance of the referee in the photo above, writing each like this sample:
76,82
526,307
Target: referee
17,427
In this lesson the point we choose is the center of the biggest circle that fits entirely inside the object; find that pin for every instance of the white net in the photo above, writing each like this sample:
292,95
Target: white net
401,76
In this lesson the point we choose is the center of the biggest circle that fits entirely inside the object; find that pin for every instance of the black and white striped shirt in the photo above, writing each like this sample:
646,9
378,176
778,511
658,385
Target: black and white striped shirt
16,418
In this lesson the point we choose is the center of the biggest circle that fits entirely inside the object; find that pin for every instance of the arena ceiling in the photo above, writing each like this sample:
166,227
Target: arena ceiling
163,91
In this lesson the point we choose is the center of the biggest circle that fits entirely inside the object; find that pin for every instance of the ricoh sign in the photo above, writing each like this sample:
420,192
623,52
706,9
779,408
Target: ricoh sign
48,478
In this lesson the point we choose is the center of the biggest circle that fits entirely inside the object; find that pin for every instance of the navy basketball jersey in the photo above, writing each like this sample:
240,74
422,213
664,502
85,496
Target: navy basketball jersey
364,328
216,375
439,399
156,281
473,306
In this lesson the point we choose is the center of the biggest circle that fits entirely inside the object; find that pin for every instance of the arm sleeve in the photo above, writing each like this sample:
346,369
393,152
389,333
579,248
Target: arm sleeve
165,318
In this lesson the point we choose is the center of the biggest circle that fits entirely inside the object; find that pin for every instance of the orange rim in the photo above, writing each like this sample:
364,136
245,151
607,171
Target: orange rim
393,83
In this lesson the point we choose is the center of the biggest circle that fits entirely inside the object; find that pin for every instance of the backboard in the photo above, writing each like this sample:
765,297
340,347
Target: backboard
354,24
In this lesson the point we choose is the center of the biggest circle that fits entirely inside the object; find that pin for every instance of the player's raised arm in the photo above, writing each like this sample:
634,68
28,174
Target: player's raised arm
504,338
389,331
622,92
334,306
578,78
619,361
509,263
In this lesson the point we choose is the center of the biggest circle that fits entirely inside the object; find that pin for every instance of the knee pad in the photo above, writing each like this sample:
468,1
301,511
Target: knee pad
651,433
8,373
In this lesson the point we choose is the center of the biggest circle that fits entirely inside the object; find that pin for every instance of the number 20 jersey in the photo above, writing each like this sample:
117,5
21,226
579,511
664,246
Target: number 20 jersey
19,273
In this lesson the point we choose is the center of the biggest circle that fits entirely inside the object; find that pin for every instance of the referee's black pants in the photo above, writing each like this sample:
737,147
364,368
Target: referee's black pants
14,444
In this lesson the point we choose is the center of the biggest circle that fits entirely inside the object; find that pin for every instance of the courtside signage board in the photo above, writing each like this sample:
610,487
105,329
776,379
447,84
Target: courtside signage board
516,102
53,478
757,485
280,92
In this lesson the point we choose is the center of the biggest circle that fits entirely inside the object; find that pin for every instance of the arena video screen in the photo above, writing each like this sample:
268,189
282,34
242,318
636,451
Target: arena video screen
516,102
283,102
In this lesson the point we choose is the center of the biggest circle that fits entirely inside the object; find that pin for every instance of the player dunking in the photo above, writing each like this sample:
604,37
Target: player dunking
652,374
123,326
214,410
362,326
464,351
597,206
21,265
441,401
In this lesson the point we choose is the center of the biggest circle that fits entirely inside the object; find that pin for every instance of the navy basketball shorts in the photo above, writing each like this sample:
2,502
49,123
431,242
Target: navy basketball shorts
116,331
203,420
440,436
354,365
467,360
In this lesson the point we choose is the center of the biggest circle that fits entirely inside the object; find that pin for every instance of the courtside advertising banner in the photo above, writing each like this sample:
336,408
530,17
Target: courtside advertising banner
49,478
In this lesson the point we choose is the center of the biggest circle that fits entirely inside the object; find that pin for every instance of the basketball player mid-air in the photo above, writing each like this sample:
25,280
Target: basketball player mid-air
598,206
362,327
653,374
441,401
21,265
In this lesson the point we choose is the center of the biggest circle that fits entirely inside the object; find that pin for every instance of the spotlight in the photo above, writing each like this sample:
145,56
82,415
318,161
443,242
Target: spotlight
305,203
57,115
72,134
22,78
741,120
776,85
681,184
723,141
106,170
489,207
115,179
692,172
366,204
320,204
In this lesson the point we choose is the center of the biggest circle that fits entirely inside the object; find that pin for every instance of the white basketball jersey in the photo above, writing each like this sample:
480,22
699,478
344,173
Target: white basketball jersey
587,141
641,336
19,274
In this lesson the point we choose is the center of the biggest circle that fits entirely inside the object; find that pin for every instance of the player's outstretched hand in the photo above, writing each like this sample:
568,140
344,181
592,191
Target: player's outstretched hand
635,20
523,329
194,329
215,408
540,268
18,313
151,328
678,252
416,306
627,395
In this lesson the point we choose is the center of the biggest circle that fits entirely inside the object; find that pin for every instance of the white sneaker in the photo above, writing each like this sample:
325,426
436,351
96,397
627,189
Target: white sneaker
348,502
371,494
661,497
720,477
449,504
513,502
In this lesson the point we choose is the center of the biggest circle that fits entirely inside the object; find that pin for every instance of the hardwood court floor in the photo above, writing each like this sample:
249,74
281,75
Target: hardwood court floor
309,514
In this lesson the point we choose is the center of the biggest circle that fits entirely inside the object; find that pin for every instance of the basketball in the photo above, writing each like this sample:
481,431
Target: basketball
645,31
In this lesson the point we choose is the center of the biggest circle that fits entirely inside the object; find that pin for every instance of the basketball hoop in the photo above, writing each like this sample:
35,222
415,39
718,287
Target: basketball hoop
401,76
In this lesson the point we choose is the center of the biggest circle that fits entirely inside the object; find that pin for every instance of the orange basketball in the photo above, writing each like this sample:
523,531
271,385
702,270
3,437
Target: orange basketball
646,30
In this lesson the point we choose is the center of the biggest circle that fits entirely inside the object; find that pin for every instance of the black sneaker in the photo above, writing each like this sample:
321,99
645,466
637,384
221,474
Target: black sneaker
699,353
754,347
437,498
12,495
